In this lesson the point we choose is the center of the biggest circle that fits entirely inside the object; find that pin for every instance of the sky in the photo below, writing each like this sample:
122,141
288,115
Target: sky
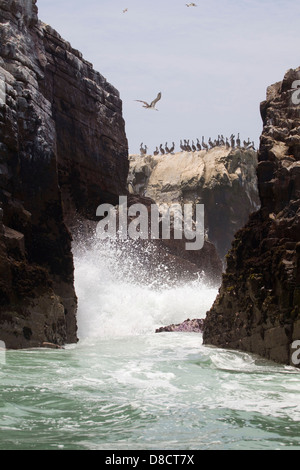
212,63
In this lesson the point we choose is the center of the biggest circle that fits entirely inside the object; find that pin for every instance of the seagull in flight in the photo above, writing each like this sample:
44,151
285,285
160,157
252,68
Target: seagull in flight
152,104
126,9
191,4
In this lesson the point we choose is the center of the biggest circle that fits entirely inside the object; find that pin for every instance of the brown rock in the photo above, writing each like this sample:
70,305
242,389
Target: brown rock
258,305
188,326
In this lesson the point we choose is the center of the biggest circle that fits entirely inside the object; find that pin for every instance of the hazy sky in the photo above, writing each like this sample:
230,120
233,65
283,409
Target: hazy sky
212,63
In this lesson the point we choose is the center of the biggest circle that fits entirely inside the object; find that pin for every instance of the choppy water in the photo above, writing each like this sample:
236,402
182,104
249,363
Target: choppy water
125,387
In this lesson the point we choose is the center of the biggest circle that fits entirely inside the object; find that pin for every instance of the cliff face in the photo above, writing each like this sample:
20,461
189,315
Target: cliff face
92,149
63,151
224,180
258,305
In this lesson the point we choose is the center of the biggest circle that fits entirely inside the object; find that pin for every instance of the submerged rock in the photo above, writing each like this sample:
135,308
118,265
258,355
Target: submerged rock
188,326
258,306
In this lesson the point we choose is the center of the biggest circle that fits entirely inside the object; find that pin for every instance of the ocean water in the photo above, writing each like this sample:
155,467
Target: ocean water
123,387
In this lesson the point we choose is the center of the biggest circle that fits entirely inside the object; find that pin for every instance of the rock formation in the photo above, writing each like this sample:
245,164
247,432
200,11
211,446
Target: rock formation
63,151
188,326
258,306
222,179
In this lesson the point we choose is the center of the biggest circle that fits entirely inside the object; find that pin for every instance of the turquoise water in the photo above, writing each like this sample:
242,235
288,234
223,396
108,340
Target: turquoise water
123,387
144,392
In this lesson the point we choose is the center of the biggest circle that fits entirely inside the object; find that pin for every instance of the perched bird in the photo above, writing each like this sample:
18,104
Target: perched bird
172,148
193,146
161,149
143,150
167,148
232,141
156,151
152,104
204,145
182,146
199,145
249,145
187,145
210,143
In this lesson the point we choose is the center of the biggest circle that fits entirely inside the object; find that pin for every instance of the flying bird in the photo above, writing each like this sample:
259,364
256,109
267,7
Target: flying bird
191,4
152,104
126,9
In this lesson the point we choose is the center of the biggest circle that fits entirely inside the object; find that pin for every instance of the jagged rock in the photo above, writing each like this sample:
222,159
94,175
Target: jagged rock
258,305
63,151
224,180
188,326
14,242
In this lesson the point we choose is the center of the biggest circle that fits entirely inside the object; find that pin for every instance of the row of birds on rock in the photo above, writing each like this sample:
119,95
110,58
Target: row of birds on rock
197,146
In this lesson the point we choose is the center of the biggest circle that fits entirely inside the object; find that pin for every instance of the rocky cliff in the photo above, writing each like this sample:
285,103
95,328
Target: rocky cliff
258,306
222,179
63,151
